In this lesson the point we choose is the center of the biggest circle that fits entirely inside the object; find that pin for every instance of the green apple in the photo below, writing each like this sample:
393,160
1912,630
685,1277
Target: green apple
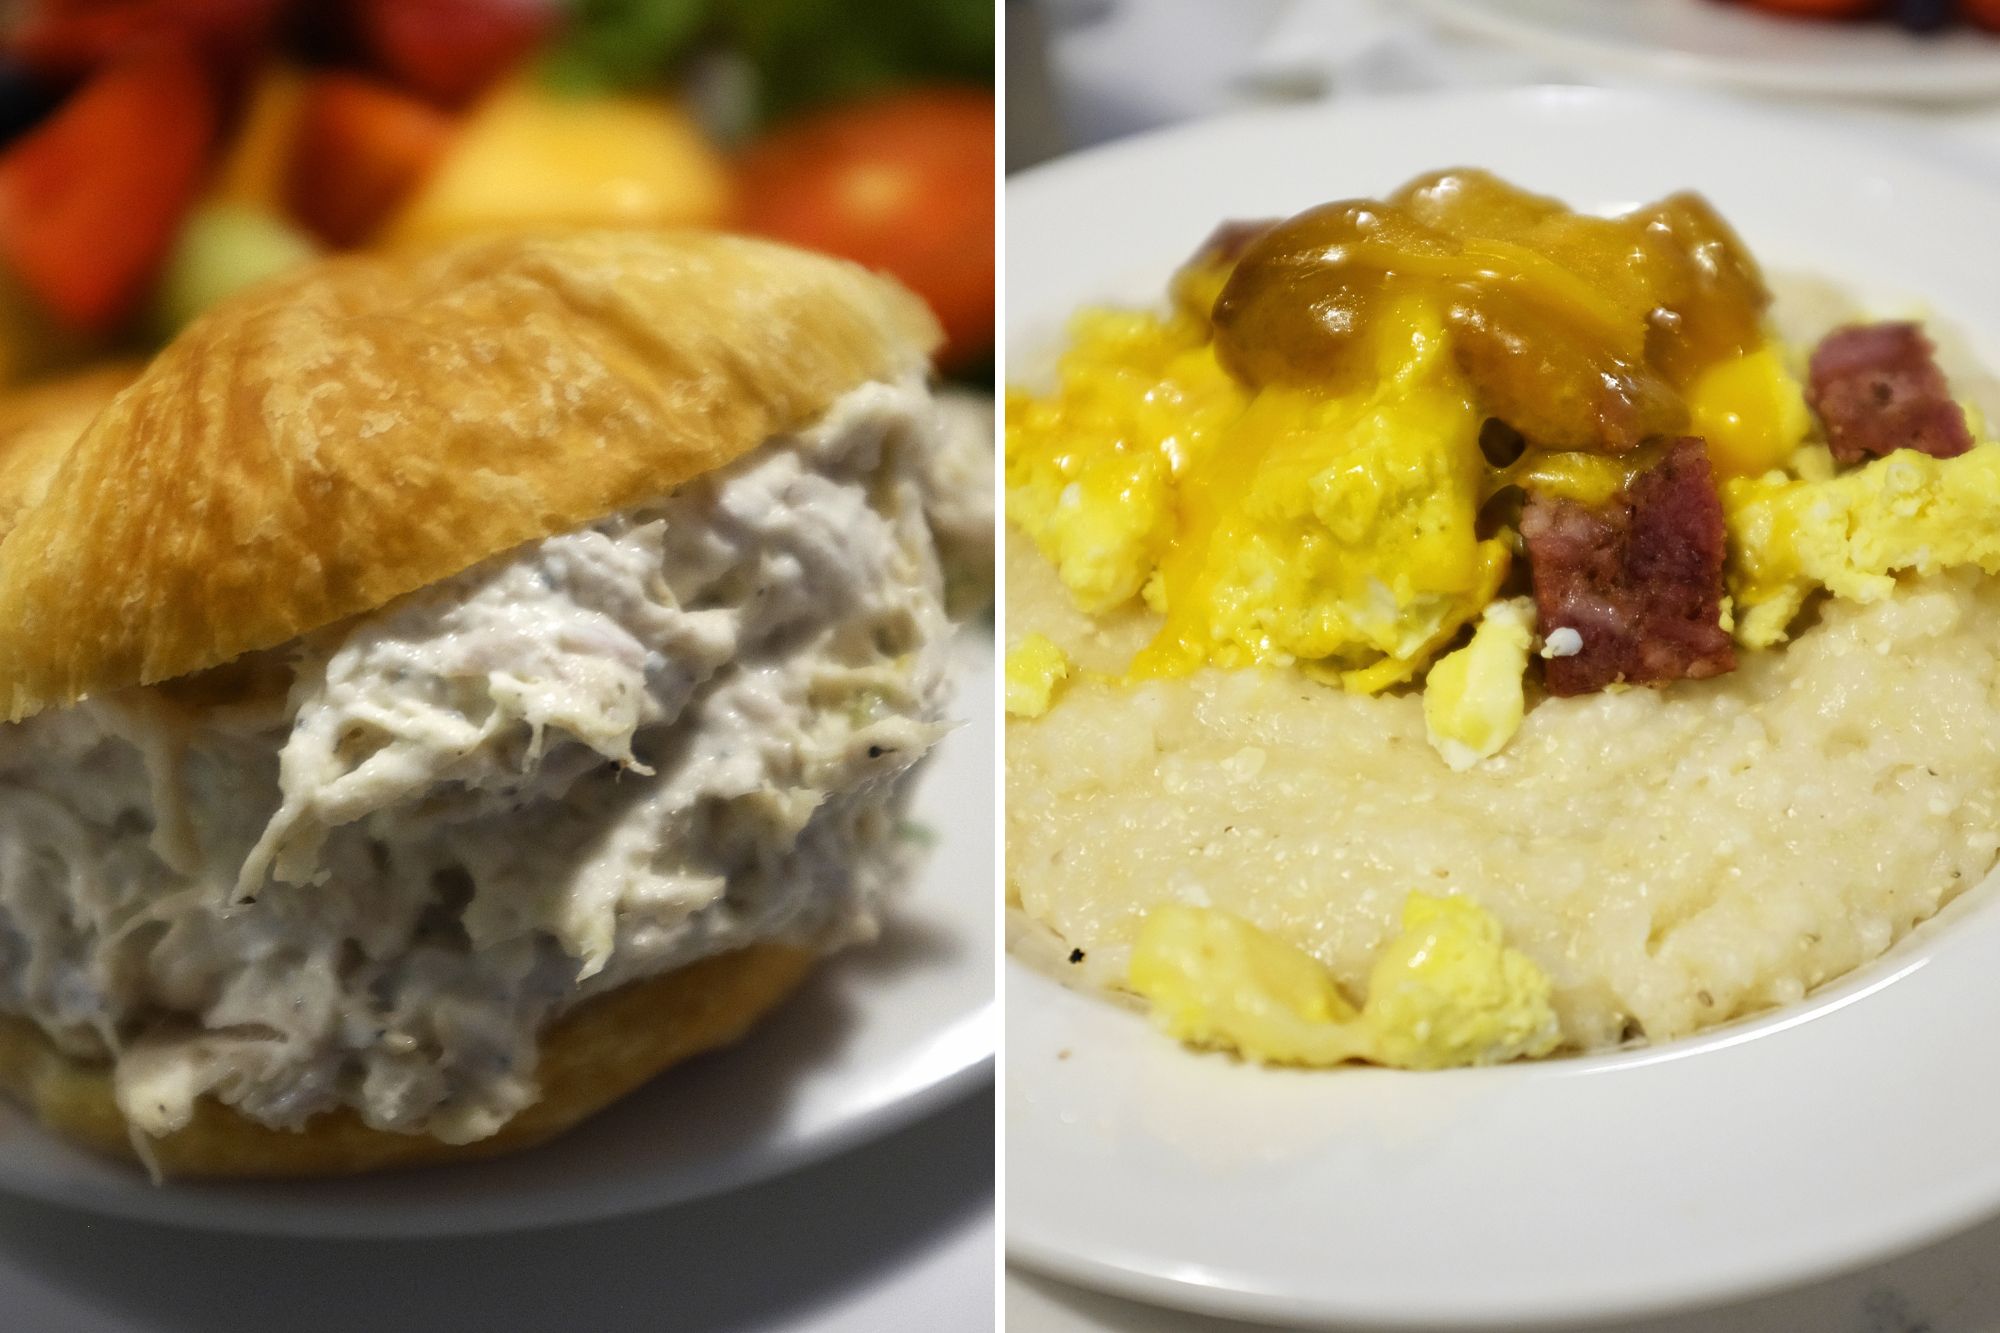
222,248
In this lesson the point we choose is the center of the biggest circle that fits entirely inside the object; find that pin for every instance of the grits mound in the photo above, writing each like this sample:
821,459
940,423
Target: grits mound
1672,859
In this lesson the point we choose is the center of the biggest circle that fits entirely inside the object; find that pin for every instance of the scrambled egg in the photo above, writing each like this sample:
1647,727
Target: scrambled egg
1034,668
1336,533
1092,471
1473,699
1445,992
1332,532
1851,532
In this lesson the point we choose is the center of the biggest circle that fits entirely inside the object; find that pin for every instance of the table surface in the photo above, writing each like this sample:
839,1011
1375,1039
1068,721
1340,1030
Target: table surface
896,1236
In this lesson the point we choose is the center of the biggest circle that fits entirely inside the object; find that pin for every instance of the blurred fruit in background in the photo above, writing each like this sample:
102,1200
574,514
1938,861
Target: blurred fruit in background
527,156
223,246
91,198
451,50
156,155
74,37
902,182
359,148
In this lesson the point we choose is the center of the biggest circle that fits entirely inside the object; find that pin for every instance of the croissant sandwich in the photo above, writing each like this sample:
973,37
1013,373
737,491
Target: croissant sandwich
440,691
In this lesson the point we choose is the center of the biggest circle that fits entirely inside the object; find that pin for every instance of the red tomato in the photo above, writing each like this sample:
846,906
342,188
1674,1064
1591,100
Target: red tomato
450,50
90,200
1986,13
361,148
902,183
75,38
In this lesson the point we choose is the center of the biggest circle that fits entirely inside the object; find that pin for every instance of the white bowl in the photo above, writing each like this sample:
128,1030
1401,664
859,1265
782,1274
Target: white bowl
1858,1123
1734,45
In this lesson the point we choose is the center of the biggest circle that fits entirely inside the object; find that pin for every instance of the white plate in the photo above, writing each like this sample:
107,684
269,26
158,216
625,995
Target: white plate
1842,1129
1733,45
879,1036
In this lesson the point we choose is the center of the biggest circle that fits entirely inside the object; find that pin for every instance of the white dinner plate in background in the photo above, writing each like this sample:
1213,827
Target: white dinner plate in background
1864,1121
1731,44
878,1036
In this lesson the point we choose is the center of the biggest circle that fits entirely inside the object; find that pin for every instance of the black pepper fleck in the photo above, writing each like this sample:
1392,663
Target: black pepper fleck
1076,955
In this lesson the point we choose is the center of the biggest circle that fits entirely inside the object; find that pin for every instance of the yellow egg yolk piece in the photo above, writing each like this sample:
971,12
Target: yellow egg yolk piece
1034,668
1750,410
1444,992
1473,698
1851,532
1448,992
1286,527
1218,982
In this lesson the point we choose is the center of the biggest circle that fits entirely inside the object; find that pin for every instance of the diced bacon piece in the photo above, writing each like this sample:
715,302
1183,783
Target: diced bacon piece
1877,389
1638,578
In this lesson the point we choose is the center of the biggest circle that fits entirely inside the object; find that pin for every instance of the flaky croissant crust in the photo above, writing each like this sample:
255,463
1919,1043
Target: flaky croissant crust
328,442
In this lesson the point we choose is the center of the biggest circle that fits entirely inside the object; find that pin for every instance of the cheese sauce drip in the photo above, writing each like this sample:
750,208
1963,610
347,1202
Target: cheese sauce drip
1292,468
1580,332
